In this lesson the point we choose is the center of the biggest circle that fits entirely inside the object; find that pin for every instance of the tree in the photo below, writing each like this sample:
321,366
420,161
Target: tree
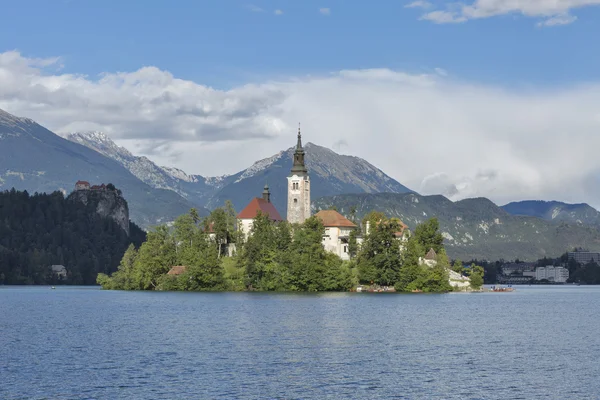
380,260
476,276
373,218
353,243
458,266
194,214
429,236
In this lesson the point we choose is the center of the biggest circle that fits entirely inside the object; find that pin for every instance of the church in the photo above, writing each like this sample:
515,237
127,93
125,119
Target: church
337,227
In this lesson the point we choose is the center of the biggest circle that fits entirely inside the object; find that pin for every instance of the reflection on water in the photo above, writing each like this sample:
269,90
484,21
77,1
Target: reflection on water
74,343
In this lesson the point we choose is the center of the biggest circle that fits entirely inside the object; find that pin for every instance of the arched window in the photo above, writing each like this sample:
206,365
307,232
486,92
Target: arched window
295,201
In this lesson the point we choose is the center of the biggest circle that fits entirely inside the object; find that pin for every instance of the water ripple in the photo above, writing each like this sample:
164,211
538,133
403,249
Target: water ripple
78,343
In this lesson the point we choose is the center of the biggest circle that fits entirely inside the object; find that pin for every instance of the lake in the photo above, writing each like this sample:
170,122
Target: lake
539,342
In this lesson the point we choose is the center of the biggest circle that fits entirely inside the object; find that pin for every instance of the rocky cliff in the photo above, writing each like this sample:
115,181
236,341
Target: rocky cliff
107,203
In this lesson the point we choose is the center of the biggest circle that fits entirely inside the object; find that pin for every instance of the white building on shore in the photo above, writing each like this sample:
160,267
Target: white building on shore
552,274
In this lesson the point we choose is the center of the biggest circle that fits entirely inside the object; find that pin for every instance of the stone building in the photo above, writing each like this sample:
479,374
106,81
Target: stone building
337,232
298,207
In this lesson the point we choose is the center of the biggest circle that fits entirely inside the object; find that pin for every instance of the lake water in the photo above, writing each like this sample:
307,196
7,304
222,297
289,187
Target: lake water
84,343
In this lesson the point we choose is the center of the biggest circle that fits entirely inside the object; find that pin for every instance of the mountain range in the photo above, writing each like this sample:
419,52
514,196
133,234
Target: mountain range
35,159
474,228
581,214
330,174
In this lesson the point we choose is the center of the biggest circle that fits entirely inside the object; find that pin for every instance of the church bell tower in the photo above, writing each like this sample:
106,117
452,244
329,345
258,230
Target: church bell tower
298,209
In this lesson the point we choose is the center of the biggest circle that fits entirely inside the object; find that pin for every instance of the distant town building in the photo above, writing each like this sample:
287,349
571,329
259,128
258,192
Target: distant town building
59,271
584,257
517,273
337,232
552,274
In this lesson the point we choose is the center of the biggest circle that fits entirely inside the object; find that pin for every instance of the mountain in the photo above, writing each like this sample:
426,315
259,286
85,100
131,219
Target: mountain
474,228
195,188
330,174
35,159
555,211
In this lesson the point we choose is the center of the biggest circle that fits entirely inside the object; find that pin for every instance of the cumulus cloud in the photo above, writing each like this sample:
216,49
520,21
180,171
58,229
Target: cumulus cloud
430,132
553,12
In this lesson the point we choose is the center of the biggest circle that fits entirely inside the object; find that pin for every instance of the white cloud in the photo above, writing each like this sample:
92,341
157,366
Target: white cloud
558,20
553,12
325,11
278,12
254,8
430,132
441,71
419,4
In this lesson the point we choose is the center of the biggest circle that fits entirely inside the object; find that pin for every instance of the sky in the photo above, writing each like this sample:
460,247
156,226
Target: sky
494,98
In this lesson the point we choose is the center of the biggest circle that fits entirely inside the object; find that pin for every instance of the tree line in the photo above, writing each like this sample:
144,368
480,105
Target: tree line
279,256
40,230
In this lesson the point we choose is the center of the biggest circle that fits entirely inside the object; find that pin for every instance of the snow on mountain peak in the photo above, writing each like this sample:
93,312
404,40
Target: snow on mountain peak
100,142
260,166
179,174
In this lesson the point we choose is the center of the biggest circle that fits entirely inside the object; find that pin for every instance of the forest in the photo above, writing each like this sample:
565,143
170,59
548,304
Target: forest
41,230
282,257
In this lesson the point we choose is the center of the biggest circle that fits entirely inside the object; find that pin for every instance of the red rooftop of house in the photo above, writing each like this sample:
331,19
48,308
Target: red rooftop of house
257,204
332,218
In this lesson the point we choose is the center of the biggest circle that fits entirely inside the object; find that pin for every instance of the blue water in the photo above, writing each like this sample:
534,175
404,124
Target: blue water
85,343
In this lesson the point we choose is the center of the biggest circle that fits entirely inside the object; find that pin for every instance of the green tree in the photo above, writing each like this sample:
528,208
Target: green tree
380,260
476,276
195,216
428,235
458,266
353,243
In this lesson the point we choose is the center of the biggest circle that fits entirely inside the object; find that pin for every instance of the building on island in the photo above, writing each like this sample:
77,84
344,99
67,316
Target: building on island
176,270
337,232
298,207
552,274
430,258
258,204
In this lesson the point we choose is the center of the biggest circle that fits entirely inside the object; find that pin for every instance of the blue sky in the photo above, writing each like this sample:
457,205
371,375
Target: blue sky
224,43
478,99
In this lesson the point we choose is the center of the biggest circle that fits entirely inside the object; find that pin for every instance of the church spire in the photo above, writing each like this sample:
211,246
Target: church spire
299,167
299,145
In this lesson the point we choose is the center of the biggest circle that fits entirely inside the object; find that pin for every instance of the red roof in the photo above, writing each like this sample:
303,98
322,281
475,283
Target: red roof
332,218
176,270
259,204
83,183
